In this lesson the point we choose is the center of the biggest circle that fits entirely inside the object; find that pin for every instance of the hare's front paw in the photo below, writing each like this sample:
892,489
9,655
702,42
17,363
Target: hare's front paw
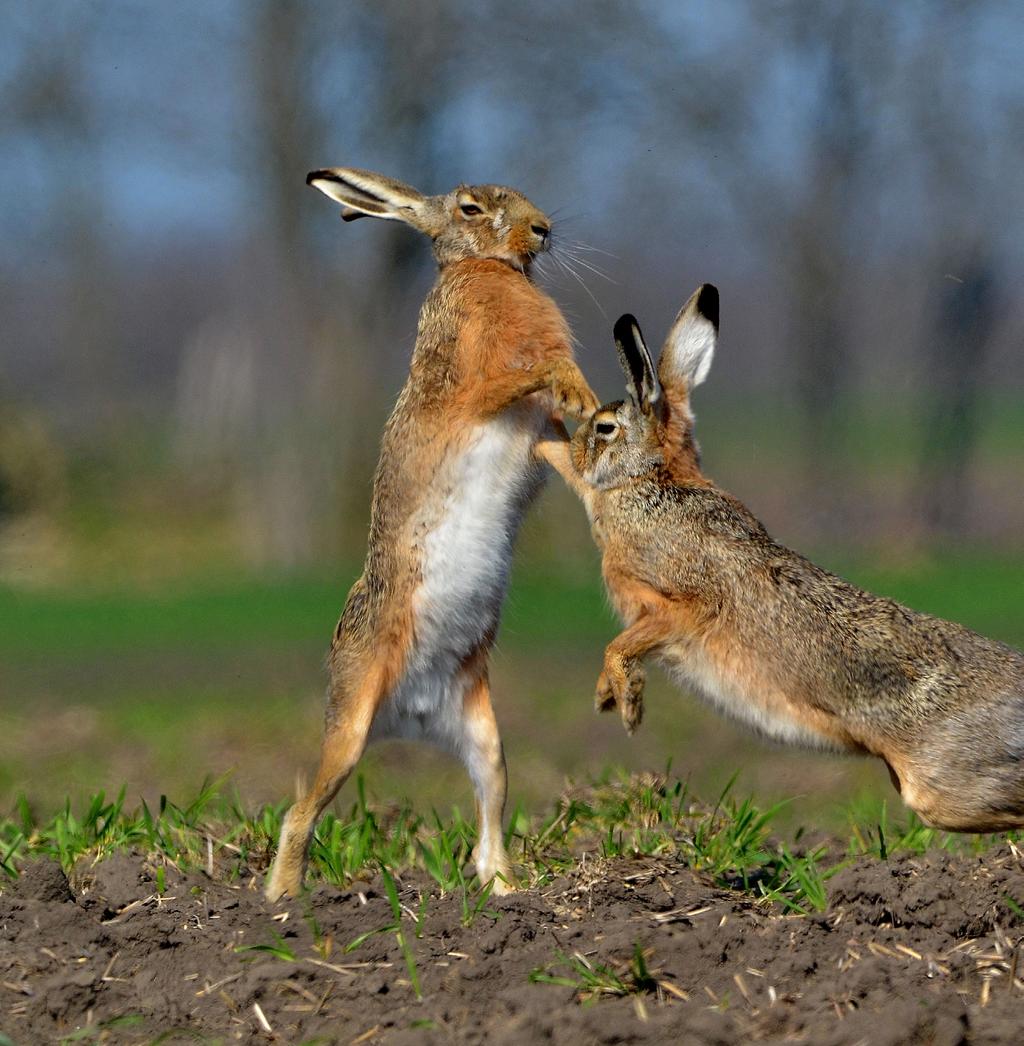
621,685
572,393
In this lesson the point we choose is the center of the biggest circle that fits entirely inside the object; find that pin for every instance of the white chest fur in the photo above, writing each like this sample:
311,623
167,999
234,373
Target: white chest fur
467,552
465,556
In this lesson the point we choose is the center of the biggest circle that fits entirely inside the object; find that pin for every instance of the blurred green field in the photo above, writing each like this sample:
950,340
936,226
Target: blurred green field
158,691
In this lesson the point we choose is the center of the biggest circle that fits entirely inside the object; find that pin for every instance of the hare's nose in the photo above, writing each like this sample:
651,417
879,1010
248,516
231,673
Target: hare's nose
540,230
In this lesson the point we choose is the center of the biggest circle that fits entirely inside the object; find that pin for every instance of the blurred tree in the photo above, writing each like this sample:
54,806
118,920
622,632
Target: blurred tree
964,311
962,207
825,217
827,164
797,134
49,115
31,463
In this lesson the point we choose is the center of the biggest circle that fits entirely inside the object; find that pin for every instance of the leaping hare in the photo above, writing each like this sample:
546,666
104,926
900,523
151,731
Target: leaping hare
763,633
492,363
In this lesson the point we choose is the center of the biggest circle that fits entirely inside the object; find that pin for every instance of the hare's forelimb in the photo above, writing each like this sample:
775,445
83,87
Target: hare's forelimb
621,683
557,454
560,375
573,396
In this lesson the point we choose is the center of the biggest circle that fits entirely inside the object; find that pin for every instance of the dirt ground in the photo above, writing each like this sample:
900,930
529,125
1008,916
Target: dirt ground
911,950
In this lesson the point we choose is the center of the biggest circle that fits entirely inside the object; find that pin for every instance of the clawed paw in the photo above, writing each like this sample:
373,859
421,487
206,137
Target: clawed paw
572,394
604,698
621,685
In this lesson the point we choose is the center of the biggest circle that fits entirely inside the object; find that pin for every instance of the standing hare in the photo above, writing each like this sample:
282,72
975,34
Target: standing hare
492,363
764,634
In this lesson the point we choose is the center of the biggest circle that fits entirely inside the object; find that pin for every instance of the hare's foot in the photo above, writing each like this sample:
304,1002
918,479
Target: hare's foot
573,396
503,883
502,887
621,685
289,869
282,883
492,863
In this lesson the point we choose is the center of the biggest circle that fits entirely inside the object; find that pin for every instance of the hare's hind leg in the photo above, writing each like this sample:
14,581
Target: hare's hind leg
349,719
480,748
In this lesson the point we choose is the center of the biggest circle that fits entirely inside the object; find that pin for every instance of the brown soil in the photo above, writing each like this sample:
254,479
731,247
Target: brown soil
911,950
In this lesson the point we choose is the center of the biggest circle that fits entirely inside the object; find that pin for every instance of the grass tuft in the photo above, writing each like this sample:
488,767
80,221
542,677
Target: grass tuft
734,843
591,980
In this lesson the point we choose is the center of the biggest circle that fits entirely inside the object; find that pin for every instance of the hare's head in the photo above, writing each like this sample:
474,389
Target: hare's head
471,221
654,424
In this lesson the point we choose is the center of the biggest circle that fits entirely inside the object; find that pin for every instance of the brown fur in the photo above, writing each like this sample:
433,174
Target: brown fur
777,641
489,344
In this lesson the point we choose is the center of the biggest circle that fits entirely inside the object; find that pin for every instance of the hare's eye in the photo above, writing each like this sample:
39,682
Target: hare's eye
605,428
470,209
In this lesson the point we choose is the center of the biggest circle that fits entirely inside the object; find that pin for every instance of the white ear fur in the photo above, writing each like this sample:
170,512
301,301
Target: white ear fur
690,346
363,192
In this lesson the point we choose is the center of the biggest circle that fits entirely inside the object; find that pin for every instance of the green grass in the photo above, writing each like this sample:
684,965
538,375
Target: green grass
244,611
734,843
982,591
592,980
874,832
34,623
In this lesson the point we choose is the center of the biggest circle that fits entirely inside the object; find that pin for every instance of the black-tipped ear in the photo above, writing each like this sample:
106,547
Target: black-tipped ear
690,346
362,193
707,303
641,379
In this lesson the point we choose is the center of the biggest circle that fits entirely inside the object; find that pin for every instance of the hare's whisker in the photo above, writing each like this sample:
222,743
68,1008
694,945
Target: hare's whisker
571,257
592,268
580,246
579,279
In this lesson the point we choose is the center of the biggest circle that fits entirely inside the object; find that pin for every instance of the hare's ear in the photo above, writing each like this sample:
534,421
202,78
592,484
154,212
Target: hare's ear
365,193
641,379
690,345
